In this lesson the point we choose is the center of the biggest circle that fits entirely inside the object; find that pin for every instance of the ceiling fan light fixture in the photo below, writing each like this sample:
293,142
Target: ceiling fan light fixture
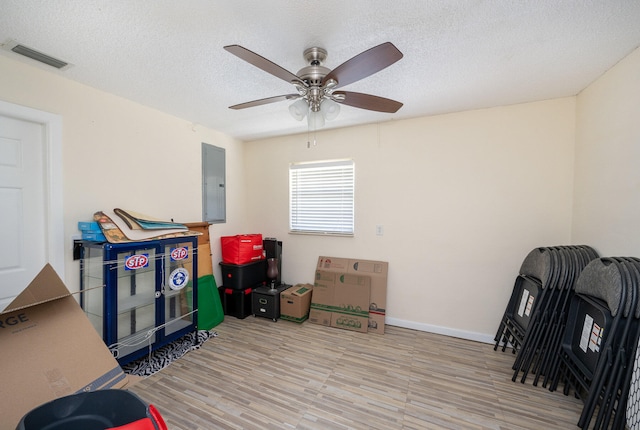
299,109
330,109
316,120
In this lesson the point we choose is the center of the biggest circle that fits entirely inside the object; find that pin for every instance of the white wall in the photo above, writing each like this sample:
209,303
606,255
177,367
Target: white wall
607,177
117,153
462,198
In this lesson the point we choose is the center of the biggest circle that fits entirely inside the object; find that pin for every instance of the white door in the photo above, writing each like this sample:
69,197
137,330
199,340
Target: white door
23,210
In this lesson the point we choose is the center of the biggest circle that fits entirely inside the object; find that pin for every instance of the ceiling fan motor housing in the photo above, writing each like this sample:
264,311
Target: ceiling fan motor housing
313,74
315,71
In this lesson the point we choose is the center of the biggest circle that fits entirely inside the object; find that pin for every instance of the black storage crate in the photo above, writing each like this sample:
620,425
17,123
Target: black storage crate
236,303
241,276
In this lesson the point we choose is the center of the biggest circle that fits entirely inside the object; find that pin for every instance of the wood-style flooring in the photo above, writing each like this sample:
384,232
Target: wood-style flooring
260,374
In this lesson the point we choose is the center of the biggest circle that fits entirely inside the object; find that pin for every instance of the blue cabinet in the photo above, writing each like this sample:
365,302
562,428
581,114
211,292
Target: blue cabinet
140,295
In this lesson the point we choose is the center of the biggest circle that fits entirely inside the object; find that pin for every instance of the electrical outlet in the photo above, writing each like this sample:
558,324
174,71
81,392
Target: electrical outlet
379,230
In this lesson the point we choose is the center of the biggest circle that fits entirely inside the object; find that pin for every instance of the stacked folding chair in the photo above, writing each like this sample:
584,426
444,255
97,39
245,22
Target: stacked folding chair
598,349
537,310
525,296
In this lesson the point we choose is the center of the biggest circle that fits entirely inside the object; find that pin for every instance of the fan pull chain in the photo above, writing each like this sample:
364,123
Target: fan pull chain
309,137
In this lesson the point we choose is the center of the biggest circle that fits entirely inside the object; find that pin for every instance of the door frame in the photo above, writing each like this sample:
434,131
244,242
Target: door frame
52,127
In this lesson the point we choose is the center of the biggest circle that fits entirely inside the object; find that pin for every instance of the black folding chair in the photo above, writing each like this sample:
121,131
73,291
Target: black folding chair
524,298
630,393
535,339
526,294
577,259
536,313
613,398
596,328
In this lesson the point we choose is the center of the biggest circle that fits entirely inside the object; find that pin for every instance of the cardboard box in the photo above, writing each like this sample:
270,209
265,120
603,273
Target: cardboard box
322,298
378,271
340,300
50,350
295,303
200,227
205,262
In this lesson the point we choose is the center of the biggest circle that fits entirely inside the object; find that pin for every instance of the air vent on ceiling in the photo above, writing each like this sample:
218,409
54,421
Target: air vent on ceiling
39,56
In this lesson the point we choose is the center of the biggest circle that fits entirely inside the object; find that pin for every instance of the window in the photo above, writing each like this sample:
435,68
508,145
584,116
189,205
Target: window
321,197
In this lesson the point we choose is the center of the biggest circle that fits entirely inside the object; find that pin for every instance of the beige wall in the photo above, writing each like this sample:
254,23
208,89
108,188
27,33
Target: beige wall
462,199
607,177
117,153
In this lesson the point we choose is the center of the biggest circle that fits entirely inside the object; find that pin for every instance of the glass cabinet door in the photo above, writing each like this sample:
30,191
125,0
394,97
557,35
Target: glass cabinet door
136,299
177,286
93,285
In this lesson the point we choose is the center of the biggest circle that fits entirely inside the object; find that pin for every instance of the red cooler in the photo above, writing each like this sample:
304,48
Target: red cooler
242,248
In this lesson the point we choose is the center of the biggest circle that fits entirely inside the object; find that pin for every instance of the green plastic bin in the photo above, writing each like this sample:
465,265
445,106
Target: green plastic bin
210,312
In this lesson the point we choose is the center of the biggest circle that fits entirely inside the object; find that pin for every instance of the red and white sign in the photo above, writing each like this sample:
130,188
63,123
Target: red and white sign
178,254
137,261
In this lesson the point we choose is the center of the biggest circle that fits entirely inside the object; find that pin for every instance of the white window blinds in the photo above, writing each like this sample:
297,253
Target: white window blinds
321,196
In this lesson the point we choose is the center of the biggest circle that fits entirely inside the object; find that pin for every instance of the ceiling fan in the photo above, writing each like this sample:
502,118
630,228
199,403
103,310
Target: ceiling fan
316,85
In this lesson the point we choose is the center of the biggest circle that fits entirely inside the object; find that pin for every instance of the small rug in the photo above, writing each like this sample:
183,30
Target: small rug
165,355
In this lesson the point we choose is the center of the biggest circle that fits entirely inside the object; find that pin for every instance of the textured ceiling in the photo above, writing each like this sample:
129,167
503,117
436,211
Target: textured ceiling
458,54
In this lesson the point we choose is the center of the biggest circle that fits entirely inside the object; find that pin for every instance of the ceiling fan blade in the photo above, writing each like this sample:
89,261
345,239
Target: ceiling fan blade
369,102
365,64
262,63
265,101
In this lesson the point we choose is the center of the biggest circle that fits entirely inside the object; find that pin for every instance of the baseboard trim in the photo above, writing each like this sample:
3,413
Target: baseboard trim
462,334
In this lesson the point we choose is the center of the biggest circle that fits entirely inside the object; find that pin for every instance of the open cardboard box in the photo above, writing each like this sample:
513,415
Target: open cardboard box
50,350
